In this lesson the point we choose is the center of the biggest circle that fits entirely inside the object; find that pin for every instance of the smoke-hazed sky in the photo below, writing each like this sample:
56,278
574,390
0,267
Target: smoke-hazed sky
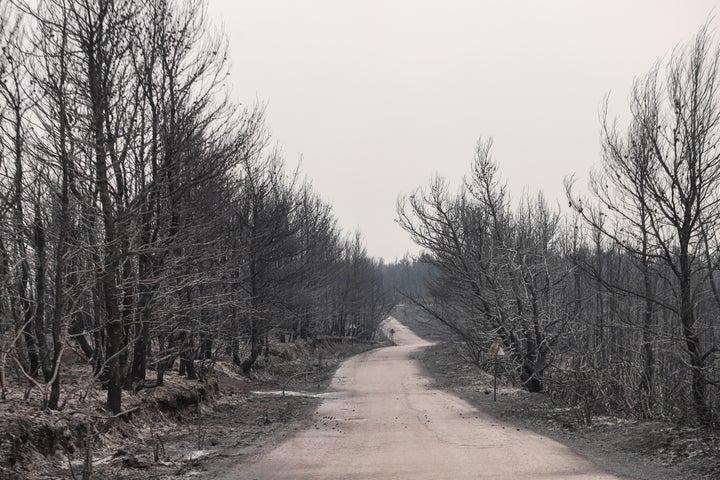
377,96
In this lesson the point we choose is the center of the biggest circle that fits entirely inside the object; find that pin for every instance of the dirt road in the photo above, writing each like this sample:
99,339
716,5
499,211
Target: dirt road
387,421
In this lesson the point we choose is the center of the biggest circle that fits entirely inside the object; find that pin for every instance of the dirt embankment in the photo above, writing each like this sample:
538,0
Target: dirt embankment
172,431
37,443
635,450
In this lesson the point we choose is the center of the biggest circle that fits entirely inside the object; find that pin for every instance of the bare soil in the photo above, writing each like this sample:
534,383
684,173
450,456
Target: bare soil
630,449
173,431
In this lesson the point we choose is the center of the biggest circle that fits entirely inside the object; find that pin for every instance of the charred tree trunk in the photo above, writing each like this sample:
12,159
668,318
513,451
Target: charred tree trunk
206,345
108,275
76,329
40,286
255,346
187,358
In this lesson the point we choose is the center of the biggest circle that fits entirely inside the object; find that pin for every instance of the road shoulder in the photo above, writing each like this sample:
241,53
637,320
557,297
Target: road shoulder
627,449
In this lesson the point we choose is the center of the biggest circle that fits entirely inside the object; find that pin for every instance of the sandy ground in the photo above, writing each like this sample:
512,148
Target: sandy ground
385,420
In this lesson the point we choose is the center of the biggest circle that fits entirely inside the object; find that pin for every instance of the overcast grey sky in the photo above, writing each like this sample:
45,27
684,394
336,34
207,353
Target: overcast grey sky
379,95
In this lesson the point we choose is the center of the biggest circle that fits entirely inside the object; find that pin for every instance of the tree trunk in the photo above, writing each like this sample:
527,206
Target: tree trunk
646,386
98,87
40,284
703,413
235,351
139,362
76,329
166,363
531,379
187,363
255,346
206,343
19,216
60,250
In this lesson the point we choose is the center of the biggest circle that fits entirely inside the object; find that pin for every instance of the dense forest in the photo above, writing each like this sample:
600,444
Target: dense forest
611,304
147,219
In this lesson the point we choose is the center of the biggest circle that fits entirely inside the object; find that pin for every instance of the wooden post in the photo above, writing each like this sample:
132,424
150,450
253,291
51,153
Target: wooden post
495,378
495,350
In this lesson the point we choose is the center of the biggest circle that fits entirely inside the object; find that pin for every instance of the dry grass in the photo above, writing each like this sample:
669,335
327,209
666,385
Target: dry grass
168,432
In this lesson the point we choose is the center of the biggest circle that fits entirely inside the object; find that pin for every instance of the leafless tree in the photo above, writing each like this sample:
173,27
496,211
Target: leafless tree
496,269
659,185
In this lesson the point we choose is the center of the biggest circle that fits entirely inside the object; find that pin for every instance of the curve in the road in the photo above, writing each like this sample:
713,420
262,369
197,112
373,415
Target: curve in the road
394,424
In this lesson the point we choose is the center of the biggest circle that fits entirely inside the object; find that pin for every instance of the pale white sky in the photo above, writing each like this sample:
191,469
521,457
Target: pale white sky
379,95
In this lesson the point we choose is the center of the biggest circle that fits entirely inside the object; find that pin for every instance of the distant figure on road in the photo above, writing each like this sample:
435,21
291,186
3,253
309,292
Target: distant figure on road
392,335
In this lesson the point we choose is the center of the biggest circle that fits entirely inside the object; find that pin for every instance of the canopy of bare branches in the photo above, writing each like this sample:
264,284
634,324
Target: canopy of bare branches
145,218
615,305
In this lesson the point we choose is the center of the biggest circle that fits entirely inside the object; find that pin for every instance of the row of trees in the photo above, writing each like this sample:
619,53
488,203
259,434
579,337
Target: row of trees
615,306
145,218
